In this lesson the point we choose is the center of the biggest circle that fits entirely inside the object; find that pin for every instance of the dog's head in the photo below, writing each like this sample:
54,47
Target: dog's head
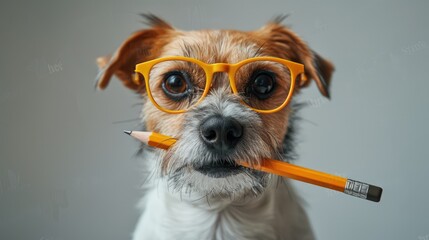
220,130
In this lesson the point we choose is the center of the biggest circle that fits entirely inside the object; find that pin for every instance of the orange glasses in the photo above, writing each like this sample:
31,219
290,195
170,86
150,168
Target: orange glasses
175,84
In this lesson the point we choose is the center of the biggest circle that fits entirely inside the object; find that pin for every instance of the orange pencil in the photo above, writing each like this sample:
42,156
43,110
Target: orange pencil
341,184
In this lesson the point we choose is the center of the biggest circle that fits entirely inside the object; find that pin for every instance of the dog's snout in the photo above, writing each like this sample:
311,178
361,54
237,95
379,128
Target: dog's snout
221,133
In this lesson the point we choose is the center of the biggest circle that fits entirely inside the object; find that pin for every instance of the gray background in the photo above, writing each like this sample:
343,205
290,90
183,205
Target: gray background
67,172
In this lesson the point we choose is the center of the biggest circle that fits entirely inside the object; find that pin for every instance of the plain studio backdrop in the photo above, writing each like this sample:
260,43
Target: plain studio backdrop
68,172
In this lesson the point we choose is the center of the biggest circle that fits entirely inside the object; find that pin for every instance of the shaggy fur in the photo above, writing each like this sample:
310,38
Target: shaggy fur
183,203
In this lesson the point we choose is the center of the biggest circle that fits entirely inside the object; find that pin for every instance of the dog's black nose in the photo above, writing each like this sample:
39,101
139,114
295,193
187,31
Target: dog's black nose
221,133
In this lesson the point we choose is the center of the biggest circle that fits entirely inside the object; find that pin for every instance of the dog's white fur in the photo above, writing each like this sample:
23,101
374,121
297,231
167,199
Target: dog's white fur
277,213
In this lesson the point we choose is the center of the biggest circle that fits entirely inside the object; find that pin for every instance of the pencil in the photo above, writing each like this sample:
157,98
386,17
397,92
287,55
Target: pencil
341,184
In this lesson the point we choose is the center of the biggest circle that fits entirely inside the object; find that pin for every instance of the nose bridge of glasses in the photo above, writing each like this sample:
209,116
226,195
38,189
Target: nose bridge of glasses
220,67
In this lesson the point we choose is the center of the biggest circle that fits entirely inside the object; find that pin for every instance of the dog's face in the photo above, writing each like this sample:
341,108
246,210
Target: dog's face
220,130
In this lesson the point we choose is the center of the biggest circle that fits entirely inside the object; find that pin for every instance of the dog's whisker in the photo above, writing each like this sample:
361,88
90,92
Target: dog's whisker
259,49
137,104
126,120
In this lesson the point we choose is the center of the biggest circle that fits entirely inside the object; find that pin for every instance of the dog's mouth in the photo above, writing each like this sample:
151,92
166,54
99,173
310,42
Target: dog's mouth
220,168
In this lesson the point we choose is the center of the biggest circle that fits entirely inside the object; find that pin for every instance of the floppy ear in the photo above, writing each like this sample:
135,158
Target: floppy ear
286,43
139,47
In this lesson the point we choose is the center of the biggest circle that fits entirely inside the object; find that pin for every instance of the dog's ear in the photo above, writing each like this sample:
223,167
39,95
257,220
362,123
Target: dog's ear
139,47
283,41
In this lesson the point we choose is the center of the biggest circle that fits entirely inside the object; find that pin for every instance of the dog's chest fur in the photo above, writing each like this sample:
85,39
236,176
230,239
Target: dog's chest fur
275,214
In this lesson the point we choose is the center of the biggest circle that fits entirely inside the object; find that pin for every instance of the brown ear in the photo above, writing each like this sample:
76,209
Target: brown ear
286,43
139,47
320,70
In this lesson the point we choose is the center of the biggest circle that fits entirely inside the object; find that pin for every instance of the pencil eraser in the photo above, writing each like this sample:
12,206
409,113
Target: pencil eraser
374,193
363,190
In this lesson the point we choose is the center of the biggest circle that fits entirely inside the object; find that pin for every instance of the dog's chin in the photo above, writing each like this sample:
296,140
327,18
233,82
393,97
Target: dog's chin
219,179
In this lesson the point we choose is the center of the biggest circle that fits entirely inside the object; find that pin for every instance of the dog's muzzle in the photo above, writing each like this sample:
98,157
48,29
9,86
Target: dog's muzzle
220,135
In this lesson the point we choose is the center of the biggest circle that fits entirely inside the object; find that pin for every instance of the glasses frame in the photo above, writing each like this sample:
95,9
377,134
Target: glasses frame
144,68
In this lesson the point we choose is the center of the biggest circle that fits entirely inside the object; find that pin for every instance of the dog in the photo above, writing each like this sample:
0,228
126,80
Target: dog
195,189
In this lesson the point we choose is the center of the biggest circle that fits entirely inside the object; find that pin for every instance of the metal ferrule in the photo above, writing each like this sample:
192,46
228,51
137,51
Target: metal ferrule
356,188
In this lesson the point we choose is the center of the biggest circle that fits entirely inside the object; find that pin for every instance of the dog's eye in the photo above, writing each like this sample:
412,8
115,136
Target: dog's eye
262,84
176,85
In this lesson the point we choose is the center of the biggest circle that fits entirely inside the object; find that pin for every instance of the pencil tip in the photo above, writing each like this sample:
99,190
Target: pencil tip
128,132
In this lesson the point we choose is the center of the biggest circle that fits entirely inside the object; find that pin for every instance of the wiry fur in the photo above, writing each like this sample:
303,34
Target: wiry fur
182,203
275,213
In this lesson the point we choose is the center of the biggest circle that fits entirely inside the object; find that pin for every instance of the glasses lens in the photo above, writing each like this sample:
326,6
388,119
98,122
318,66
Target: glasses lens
263,85
176,85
